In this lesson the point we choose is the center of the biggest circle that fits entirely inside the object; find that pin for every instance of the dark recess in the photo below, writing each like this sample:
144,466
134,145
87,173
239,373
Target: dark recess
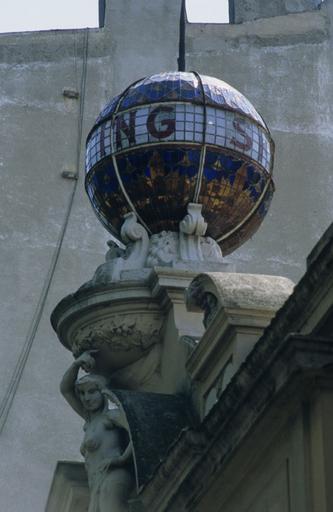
182,25
231,11
101,13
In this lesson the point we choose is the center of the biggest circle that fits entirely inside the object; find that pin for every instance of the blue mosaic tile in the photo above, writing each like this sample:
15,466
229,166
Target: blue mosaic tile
177,86
108,109
163,87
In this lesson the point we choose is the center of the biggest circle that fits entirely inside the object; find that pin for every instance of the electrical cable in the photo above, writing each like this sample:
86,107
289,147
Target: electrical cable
20,365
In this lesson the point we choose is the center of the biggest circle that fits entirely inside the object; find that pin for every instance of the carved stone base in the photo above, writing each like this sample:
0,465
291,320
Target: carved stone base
123,322
137,325
135,295
187,249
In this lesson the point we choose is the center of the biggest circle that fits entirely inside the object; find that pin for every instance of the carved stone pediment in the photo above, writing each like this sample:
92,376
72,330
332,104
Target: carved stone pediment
122,321
188,248
212,291
121,333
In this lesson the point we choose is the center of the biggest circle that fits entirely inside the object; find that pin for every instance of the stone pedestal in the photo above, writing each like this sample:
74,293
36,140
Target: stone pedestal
139,325
237,308
156,338
132,312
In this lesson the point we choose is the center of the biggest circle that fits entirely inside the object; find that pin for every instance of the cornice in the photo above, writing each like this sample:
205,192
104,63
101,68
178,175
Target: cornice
226,322
253,388
182,478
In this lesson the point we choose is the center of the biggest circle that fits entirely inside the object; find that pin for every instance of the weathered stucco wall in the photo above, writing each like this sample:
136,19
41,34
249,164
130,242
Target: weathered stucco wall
249,10
40,139
284,66
50,240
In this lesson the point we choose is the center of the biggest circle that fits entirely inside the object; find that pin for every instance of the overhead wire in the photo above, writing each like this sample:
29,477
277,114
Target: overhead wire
12,387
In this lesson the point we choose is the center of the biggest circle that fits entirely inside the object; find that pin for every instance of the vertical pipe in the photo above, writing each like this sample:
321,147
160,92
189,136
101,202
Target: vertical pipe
101,13
231,11
182,27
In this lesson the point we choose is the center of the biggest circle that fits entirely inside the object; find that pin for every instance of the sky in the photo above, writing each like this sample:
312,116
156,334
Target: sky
22,15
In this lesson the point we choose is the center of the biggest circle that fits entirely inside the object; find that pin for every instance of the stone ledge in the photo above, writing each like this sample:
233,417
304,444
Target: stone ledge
308,27
247,291
69,490
297,362
255,386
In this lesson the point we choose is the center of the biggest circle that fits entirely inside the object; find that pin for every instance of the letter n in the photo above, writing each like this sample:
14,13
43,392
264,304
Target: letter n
127,129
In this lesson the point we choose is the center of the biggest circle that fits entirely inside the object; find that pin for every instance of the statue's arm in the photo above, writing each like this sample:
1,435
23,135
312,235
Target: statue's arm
67,388
85,361
126,456
121,460
117,419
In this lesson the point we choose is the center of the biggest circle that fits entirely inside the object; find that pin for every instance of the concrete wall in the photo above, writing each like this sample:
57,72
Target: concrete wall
50,239
284,66
269,473
249,10
284,465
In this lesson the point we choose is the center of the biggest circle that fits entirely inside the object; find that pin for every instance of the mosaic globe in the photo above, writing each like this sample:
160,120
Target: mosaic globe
176,138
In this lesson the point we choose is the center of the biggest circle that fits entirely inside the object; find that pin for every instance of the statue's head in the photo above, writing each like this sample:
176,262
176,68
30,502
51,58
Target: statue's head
90,389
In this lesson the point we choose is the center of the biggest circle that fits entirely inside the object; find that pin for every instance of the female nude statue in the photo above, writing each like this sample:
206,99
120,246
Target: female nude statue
105,446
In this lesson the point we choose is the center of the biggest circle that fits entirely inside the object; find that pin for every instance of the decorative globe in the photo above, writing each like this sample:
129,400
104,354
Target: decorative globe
176,138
